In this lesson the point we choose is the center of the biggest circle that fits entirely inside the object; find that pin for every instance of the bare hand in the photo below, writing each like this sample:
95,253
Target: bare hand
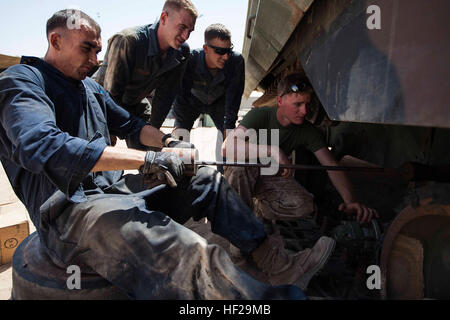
180,144
363,214
281,158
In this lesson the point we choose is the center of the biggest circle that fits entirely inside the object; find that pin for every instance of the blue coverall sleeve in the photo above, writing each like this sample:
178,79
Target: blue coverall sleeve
234,93
35,141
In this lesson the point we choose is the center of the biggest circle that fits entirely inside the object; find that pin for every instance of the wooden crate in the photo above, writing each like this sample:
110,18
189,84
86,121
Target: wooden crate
14,228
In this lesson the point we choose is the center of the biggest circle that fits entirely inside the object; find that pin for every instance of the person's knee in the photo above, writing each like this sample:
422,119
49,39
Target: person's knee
206,173
205,185
106,212
278,198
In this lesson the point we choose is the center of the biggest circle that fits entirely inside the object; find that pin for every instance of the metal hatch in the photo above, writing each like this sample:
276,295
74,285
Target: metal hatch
270,24
394,75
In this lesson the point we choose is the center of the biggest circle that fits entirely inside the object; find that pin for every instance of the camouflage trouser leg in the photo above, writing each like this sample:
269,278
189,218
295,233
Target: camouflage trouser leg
271,197
244,181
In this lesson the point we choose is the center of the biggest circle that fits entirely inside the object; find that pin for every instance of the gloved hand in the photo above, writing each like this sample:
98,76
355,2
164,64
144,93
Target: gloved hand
162,167
180,144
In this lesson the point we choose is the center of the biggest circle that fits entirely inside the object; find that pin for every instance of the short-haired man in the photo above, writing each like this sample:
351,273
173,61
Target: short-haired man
213,83
54,133
149,58
294,95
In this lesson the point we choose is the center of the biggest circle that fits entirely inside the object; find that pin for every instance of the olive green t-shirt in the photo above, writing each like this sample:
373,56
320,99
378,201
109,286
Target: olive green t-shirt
290,137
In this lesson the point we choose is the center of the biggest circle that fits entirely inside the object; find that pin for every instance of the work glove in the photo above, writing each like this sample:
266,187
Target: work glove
162,167
180,144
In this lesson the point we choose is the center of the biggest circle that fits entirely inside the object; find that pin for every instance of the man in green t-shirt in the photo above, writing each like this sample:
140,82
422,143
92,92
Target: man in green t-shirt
292,130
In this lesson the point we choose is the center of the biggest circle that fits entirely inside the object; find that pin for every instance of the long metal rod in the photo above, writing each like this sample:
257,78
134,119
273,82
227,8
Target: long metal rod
391,171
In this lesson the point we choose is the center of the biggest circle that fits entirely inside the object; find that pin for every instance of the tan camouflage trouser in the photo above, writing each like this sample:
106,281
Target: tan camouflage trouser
271,197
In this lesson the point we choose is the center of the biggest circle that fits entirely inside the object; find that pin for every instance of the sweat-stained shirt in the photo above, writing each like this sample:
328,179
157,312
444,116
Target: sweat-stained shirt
54,130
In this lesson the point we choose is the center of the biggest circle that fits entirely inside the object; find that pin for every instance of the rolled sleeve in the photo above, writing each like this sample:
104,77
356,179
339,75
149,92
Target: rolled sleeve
88,158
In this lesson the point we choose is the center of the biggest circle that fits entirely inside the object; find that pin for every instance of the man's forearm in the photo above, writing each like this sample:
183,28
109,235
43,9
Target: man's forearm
119,159
240,150
343,185
339,178
152,137
240,147
130,159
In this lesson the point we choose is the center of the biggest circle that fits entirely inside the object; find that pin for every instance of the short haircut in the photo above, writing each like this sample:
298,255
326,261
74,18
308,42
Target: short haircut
178,5
298,79
63,18
217,30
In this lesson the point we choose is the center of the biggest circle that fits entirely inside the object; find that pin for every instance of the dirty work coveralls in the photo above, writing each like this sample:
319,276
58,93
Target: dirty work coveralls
218,96
53,131
133,69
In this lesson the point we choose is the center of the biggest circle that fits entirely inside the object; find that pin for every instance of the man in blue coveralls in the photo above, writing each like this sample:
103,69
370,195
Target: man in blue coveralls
55,148
213,82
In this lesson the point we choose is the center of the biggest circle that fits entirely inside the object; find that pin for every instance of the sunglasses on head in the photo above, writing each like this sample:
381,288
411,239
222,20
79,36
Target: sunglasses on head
296,88
221,51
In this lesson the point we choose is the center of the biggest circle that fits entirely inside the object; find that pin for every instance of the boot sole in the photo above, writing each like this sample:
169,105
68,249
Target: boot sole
305,278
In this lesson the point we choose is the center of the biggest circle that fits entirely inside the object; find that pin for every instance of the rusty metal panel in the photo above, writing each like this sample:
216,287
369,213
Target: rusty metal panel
303,4
270,24
276,20
394,75
260,44
252,10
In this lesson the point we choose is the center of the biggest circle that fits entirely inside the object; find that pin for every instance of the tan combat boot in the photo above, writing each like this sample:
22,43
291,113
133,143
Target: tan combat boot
297,269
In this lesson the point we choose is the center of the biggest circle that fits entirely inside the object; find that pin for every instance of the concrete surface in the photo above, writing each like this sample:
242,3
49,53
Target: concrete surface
5,281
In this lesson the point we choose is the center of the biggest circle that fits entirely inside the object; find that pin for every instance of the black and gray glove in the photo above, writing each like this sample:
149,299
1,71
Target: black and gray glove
175,143
162,167
180,144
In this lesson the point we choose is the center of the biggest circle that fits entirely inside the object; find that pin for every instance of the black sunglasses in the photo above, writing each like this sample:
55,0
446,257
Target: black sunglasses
221,51
296,88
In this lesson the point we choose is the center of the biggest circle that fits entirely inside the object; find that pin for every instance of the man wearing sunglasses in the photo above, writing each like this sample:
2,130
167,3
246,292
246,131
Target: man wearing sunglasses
147,59
282,198
213,83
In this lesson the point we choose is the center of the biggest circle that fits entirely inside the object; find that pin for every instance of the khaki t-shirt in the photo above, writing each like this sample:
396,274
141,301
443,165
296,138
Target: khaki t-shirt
290,137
